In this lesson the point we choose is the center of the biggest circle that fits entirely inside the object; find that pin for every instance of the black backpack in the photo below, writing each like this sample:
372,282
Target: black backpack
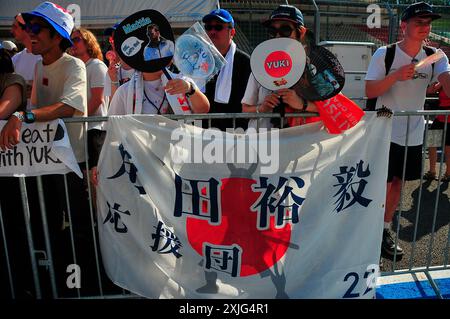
388,60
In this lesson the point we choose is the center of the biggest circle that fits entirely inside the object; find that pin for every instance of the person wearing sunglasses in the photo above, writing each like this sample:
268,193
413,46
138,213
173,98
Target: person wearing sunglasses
59,91
24,61
226,89
403,88
285,21
87,49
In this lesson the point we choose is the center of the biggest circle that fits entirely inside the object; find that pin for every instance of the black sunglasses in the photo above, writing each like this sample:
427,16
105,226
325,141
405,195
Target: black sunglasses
284,31
35,28
217,27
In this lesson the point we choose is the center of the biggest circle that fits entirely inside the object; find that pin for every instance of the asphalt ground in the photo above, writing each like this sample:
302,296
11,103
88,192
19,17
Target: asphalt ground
430,247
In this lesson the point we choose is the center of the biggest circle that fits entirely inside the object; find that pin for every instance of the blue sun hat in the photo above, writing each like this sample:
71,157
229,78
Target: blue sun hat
57,16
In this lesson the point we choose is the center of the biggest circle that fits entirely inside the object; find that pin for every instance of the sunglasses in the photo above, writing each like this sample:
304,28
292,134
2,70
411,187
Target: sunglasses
284,31
419,75
35,28
217,27
76,39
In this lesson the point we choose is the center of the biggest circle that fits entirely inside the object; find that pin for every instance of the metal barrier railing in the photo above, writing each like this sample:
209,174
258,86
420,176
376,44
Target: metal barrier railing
46,283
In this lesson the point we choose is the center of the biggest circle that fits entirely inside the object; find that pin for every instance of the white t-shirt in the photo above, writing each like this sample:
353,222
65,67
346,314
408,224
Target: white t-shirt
254,95
24,64
153,92
122,75
405,95
96,71
64,81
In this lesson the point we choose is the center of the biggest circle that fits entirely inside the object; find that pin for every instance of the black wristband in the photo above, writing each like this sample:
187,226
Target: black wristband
192,89
305,105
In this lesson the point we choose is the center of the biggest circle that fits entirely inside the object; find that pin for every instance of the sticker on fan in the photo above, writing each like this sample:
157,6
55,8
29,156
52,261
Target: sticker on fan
193,57
131,46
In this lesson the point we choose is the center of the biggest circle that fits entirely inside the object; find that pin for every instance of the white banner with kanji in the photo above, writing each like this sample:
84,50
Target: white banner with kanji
44,148
185,212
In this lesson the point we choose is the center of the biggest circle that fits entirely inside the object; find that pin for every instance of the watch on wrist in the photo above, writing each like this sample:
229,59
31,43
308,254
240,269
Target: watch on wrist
19,115
192,89
305,105
29,117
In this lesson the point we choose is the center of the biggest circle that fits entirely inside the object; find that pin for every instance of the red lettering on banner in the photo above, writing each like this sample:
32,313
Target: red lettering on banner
182,99
184,104
339,113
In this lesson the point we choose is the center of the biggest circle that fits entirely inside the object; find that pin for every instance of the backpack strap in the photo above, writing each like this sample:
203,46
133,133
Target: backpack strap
429,51
389,58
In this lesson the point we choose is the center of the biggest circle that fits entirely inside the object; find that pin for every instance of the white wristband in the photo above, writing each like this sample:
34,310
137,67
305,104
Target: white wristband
19,116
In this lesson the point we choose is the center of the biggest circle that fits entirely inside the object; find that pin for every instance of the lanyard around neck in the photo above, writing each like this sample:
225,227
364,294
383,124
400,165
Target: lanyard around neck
158,109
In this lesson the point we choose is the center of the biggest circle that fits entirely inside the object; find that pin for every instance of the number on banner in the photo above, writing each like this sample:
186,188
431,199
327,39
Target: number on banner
353,278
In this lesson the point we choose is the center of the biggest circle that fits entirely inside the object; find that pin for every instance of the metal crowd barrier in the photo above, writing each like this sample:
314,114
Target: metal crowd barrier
42,261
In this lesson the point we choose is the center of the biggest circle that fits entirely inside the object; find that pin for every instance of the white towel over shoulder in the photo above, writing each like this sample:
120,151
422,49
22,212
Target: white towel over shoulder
223,84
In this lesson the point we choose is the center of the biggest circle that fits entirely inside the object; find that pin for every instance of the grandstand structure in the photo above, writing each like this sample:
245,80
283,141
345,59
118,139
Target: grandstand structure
335,20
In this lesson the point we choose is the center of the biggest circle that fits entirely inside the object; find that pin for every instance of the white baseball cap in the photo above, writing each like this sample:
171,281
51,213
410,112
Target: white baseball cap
8,45
54,14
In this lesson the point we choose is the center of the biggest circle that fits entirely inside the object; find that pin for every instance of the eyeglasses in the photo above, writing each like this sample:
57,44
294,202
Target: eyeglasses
284,31
35,28
76,39
217,27
418,75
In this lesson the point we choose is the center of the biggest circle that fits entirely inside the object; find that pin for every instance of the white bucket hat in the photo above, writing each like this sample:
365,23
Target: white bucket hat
54,14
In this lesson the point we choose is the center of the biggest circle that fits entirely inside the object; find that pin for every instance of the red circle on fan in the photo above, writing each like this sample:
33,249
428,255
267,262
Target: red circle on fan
278,64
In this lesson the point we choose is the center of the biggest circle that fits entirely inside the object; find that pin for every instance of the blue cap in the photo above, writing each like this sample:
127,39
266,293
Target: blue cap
220,14
285,12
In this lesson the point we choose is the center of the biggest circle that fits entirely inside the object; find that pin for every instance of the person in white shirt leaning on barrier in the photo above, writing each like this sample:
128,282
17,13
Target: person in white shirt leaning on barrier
86,48
59,91
285,21
403,87
146,94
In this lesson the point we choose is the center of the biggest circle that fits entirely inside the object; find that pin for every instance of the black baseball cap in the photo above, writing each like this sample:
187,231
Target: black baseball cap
419,9
285,12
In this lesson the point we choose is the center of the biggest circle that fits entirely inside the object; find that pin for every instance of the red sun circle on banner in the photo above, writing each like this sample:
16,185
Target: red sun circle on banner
278,64
261,249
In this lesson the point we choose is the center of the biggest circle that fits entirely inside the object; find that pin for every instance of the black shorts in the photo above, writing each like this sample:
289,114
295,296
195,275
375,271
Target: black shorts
413,162
437,125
